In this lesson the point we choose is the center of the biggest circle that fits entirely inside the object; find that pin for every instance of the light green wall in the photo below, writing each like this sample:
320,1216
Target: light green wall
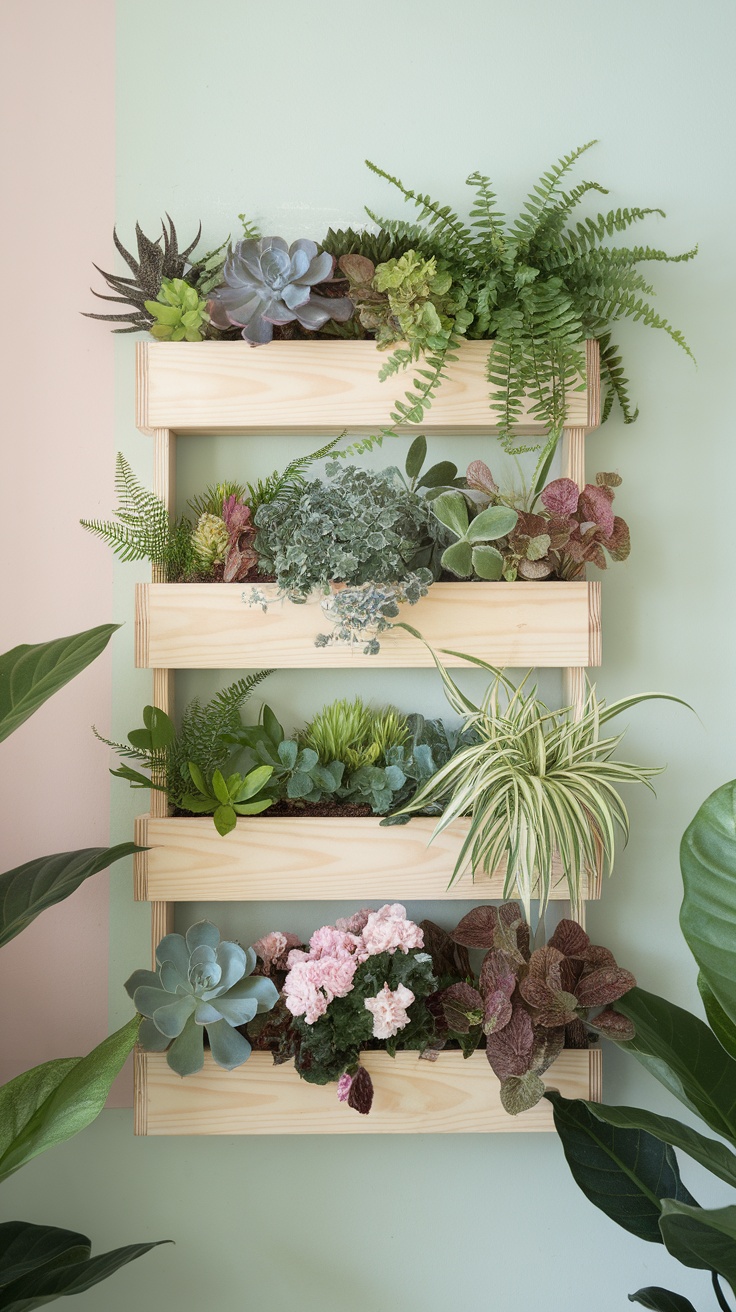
230,105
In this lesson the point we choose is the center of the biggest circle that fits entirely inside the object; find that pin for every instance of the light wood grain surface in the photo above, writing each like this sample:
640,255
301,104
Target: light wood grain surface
223,626
318,387
291,859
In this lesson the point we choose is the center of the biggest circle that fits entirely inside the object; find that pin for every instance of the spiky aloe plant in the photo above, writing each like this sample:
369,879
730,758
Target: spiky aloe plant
535,783
155,263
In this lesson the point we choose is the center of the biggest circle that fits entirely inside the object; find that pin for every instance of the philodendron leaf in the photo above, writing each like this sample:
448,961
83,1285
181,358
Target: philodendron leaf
416,456
685,1056
720,1023
29,675
701,1237
626,1173
661,1300
29,889
711,1154
40,1263
708,914
51,1103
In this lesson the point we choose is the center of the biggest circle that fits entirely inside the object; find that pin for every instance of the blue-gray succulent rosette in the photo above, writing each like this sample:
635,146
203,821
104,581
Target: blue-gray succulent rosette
268,282
202,983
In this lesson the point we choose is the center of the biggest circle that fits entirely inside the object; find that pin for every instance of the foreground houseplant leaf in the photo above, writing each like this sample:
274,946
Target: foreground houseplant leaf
51,1103
31,888
708,913
711,1154
40,1263
683,1054
661,1300
29,675
626,1173
701,1237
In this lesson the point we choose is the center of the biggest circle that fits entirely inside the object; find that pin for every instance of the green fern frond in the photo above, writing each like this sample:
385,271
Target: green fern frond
439,218
614,383
537,202
287,484
145,530
485,216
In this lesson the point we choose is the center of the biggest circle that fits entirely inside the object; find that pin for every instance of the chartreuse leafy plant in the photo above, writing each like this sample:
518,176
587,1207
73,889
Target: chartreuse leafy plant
227,798
202,985
623,1158
535,783
50,1103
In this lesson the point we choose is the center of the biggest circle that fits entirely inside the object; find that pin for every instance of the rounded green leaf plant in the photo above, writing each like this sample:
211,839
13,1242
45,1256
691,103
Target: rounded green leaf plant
472,553
202,983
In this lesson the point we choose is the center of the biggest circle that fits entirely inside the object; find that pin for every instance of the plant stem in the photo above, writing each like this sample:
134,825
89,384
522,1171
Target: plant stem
720,1296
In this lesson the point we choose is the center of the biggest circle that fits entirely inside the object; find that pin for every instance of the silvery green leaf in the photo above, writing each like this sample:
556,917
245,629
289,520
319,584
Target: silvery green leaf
186,1054
229,1048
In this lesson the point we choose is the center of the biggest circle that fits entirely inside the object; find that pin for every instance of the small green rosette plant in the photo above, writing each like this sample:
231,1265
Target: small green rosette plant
202,984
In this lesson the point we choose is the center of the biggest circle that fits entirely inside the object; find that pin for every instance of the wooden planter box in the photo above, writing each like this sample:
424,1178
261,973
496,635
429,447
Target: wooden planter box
412,1096
223,626
292,859
317,387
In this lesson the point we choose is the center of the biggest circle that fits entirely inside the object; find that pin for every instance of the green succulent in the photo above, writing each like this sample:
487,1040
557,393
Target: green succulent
350,731
472,554
178,312
226,799
297,770
210,540
201,984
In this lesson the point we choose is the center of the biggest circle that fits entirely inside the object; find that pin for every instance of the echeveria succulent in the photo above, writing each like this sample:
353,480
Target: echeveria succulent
201,984
179,313
268,282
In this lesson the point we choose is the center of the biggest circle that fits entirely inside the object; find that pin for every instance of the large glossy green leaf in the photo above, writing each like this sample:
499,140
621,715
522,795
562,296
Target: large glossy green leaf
685,1056
626,1173
51,1103
701,1237
711,1153
33,887
721,1024
708,914
661,1300
40,1263
31,674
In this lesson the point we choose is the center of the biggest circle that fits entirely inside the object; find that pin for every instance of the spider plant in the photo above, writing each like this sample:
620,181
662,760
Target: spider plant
535,782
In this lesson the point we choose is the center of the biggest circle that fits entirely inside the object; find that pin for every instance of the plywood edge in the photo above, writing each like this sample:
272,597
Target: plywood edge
449,1095
595,1073
140,1092
140,859
593,381
142,644
142,356
595,627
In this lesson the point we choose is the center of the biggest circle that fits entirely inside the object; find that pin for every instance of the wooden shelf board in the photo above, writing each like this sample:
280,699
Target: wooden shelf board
223,626
412,1096
316,387
288,859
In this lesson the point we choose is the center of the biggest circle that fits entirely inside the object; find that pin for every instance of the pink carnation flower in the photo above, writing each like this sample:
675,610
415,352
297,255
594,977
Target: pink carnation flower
354,924
332,942
274,945
389,1010
301,994
388,929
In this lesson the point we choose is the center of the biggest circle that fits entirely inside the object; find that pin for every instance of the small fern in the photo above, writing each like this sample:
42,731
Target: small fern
145,530
537,287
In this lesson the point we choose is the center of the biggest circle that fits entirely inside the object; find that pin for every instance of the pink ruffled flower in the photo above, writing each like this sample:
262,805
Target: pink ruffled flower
329,941
301,994
295,956
343,1087
335,977
354,924
388,929
389,1010
274,945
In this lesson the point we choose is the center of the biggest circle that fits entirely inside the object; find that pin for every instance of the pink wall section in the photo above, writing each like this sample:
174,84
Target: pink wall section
57,100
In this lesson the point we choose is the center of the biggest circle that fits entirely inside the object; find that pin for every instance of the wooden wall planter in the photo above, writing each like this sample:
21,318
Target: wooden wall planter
316,387
287,859
448,1096
222,626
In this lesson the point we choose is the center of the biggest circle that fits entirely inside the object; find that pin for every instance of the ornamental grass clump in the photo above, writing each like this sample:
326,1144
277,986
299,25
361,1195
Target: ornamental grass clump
537,785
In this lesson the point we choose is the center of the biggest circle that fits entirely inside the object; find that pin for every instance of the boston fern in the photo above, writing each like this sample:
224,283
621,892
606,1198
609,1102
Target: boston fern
145,530
538,287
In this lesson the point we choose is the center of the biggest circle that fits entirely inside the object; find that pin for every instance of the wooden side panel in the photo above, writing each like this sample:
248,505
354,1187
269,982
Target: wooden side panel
320,387
224,626
284,859
412,1096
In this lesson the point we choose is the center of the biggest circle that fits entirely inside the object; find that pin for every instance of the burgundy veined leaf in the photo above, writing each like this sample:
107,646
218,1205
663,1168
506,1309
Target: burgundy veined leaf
463,1007
509,1050
570,939
476,930
595,505
561,496
603,986
614,1026
497,1011
360,1097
